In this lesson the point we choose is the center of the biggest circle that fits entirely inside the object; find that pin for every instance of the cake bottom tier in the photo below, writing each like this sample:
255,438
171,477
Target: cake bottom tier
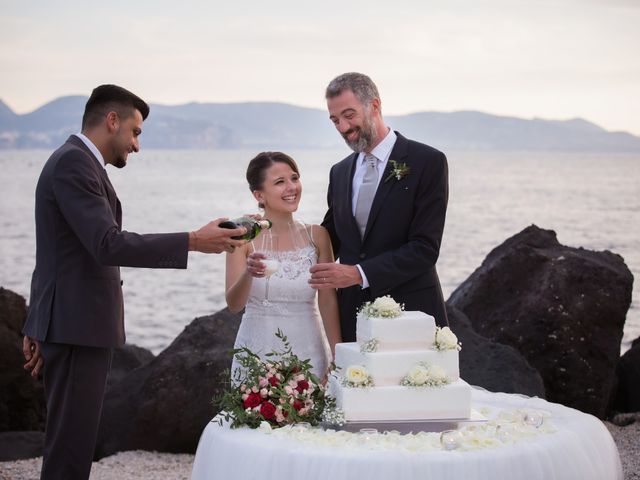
452,401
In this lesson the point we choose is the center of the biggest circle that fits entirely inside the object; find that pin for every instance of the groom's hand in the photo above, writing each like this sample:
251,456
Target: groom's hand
31,352
334,275
214,239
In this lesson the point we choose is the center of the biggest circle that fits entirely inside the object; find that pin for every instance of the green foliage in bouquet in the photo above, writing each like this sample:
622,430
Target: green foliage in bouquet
280,390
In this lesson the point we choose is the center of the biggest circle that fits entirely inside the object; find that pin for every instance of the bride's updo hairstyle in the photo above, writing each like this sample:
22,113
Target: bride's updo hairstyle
258,166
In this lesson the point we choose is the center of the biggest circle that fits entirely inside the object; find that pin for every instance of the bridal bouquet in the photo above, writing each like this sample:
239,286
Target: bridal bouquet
280,390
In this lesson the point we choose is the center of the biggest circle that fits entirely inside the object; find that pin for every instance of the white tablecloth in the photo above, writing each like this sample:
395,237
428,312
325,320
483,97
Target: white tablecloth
581,448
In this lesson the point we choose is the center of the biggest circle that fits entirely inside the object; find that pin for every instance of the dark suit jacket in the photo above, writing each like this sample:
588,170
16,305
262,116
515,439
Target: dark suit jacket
76,293
402,239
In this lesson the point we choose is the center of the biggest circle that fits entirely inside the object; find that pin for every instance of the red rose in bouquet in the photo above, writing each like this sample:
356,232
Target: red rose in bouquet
267,410
253,400
302,386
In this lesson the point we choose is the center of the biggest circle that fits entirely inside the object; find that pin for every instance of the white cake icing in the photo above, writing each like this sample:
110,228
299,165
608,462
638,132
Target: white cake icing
381,404
389,367
411,330
388,348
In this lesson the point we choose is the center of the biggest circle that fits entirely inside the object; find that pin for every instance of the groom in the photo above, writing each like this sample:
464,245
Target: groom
75,314
387,205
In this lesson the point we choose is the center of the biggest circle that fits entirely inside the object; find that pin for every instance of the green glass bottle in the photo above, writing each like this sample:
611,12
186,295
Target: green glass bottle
254,227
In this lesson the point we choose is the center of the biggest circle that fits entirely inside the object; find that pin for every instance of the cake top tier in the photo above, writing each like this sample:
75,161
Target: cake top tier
391,328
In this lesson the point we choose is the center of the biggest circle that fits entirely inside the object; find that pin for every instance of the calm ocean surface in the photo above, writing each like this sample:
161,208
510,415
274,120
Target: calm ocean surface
590,200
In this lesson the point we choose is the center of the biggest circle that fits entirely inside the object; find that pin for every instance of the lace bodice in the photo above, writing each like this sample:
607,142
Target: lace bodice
290,282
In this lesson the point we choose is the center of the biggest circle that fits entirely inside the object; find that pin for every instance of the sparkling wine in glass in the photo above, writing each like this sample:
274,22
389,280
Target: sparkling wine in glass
270,250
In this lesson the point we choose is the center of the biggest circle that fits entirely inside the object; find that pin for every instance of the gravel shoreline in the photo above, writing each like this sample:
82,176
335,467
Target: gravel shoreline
142,465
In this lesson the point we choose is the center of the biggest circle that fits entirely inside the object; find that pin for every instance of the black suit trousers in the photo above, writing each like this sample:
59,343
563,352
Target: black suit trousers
74,381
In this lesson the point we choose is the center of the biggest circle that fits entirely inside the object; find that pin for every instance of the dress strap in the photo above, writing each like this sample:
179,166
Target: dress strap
309,229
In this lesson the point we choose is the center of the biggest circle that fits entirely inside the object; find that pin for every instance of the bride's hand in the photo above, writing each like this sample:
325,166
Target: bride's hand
255,267
327,372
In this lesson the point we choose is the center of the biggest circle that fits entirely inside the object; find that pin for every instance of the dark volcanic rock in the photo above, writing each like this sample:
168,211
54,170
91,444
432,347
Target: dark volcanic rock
487,364
125,359
22,405
627,394
165,404
562,308
20,445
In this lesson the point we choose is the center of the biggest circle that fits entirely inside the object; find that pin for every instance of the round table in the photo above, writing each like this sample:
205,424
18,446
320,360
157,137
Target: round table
575,445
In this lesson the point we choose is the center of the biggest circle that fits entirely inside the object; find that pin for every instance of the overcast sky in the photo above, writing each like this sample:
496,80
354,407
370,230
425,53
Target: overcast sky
549,59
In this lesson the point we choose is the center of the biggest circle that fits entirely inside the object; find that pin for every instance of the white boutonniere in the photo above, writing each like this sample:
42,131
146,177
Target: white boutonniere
398,170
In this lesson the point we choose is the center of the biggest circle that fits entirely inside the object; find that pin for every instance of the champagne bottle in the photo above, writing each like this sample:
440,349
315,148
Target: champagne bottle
254,227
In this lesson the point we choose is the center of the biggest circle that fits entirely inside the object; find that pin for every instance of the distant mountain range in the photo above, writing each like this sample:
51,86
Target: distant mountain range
279,126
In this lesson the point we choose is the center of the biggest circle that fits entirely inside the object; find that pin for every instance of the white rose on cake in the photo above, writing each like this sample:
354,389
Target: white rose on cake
437,375
446,339
387,307
418,375
425,375
357,376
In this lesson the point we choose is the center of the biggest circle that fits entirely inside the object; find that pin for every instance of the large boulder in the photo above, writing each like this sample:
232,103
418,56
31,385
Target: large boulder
626,397
20,445
22,405
125,359
562,308
165,404
491,365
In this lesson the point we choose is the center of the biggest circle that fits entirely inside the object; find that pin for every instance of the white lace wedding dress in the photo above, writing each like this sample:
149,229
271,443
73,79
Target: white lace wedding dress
291,307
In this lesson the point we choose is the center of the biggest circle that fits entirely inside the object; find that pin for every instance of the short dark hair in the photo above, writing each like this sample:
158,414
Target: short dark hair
256,171
361,85
107,98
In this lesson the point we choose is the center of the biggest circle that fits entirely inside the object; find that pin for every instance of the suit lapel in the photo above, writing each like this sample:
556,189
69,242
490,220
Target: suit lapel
112,197
398,153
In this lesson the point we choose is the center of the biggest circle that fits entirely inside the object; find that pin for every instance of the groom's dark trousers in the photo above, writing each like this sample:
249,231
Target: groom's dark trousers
75,306
74,378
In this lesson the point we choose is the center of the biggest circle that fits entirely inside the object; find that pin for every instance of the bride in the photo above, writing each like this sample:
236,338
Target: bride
283,300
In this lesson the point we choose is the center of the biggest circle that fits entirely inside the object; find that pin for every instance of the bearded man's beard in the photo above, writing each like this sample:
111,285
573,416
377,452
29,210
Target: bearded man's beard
366,138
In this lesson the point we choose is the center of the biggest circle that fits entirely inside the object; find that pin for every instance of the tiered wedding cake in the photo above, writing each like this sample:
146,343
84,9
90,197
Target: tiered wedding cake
402,367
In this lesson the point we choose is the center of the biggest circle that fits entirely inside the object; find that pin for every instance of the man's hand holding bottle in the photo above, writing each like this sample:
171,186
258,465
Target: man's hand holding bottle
212,238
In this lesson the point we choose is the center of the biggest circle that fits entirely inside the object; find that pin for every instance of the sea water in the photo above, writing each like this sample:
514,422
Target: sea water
590,200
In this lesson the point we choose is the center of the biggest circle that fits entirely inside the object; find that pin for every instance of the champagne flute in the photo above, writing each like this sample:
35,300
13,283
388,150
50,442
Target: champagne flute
272,264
